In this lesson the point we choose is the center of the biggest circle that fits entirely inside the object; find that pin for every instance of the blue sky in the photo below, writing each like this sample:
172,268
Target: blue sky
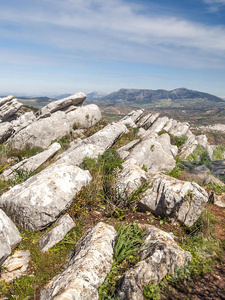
65,46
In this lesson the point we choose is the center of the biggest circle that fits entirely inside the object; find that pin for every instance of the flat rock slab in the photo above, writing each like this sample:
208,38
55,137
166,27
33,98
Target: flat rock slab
9,236
76,99
178,200
42,132
88,265
6,130
160,254
151,154
8,109
56,234
31,164
15,265
39,201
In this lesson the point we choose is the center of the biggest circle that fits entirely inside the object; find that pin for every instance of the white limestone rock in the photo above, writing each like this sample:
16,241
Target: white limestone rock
129,179
6,130
134,115
43,131
177,128
160,254
107,136
8,109
164,140
5,100
9,236
88,265
15,265
31,164
152,155
157,126
178,200
189,146
146,121
76,99
56,234
39,201
23,121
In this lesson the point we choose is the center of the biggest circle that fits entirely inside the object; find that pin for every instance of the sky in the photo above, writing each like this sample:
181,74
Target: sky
51,47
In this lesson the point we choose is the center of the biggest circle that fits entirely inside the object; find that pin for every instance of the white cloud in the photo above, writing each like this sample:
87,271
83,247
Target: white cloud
113,30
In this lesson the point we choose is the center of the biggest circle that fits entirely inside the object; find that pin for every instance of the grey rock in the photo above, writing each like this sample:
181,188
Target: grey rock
6,130
43,131
56,234
216,127
158,125
160,254
5,100
88,265
75,155
134,115
16,265
39,201
129,179
164,140
107,136
31,164
189,146
152,155
177,128
146,121
76,99
23,121
178,200
9,236
9,109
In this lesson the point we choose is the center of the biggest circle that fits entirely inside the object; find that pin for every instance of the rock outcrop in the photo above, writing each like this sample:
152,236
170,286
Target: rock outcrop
39,201
9,236
57,233
31,164
178,200
160,254
8,107
88,265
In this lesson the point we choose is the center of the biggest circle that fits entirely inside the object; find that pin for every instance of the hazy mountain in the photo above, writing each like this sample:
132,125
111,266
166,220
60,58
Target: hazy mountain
95,95
139,96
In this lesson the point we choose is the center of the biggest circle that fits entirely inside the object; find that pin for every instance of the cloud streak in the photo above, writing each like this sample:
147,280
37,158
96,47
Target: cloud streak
109,28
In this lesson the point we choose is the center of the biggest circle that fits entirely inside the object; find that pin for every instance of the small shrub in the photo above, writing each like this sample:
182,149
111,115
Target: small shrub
218,153
216,188
126,138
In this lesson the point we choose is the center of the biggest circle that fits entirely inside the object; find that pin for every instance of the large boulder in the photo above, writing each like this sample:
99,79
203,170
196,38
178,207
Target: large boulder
159,255
43,131
76,99
88,265
129,179
8,107
151,154
9,236
178,200
146,121
39,201
31,164
6,130
107,136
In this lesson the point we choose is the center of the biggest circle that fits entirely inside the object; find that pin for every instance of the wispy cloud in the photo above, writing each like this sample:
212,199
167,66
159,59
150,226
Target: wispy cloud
214,5
115,30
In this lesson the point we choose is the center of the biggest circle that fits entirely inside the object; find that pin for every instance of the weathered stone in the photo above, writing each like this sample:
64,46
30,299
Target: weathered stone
146,121
218,200
88,265
177,128
43,131
164,140
218,168
160,254
134,115
107,136
56,234
6,130
178,200
124,150
130,178
15,265
8,109
31,164
76,99
23,121
151,154
158,125
189,146
5,100
75,155
216,127
9,236
39,201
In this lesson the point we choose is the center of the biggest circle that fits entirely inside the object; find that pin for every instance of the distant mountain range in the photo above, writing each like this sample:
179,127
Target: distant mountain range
141,97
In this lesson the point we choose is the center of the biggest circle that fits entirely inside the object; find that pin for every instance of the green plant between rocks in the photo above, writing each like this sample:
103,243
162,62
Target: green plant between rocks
218,152
128,242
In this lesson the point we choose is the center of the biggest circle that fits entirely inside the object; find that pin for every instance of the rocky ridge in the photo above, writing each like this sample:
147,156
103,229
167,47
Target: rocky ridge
41,200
